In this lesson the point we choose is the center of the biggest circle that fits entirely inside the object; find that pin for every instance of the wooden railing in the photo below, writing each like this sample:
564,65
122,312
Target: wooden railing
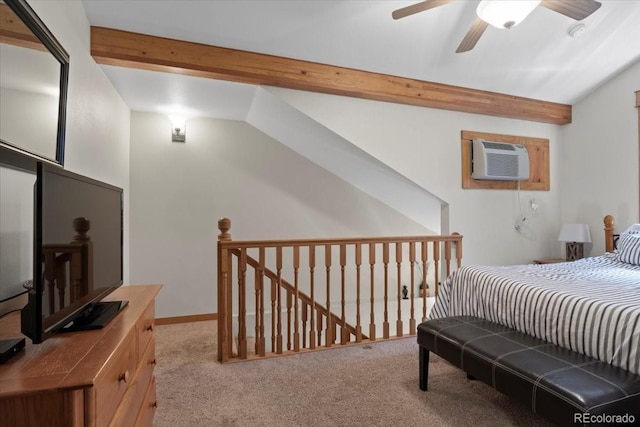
274,298
68,268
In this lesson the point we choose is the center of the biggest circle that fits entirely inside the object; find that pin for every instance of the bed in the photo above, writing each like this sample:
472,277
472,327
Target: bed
562,338
591,306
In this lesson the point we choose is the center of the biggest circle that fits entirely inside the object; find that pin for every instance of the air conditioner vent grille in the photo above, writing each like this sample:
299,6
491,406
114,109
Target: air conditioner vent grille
501,165
498,146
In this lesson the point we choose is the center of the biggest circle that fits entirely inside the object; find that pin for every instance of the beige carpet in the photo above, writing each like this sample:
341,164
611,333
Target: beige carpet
373,385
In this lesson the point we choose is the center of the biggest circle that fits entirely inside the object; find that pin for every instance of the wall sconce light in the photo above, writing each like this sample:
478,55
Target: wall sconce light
575,235
178,130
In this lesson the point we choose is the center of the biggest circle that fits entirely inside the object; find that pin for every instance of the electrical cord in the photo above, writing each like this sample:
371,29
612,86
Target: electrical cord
519,224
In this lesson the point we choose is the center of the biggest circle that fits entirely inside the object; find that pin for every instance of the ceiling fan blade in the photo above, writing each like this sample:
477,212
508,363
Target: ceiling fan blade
576,9
418,7
473,35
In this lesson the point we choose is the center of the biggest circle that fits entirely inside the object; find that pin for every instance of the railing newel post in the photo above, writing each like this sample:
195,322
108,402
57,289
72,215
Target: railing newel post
224,294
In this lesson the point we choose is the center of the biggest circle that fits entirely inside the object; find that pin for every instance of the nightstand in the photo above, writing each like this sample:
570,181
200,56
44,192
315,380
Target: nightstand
549,261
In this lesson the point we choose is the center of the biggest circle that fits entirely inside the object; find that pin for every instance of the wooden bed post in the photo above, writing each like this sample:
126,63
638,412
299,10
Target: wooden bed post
609,224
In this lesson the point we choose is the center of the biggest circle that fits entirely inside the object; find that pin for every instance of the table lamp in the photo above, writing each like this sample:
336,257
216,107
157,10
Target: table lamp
575,235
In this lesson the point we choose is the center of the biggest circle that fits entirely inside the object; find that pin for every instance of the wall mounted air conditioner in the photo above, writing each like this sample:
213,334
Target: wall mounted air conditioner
499,161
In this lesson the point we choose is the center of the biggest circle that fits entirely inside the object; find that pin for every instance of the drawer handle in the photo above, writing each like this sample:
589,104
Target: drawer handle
154,404
152,362
124,377
149,328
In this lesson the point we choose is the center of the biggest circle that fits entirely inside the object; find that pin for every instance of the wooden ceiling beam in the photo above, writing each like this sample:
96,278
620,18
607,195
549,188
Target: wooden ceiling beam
15,32
141,51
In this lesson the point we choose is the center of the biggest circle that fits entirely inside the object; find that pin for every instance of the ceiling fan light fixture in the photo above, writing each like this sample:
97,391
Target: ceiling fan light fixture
505,13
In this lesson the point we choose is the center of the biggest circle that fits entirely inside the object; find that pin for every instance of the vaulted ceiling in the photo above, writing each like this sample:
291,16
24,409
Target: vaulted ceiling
536,59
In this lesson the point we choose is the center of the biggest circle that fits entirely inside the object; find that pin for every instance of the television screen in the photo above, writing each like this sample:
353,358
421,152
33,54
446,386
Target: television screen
77,251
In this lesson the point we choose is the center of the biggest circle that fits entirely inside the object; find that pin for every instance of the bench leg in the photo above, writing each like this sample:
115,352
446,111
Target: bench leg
424,368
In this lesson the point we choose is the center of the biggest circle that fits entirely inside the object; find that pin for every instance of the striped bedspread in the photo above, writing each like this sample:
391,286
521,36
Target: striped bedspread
591,306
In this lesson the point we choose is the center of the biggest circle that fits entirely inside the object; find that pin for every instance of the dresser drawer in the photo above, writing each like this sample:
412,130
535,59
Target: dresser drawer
114,379
146,326
148,409
130,405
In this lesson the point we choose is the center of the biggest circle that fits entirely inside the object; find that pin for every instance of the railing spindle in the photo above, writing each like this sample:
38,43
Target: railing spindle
447,257
358,263
61,284
424,286
320,326
261,338
458,251
296,321
279,298
242,308
230,302
436,259
304,324
399,293
385,262
412,261
327,262
312,307
289,329
344,333
273,315
372,264
258,320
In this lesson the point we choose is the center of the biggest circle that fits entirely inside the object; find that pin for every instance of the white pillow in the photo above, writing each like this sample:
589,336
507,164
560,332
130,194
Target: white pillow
632,228
629,247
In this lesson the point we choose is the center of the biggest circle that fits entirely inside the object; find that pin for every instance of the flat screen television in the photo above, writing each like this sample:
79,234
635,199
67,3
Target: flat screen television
78,253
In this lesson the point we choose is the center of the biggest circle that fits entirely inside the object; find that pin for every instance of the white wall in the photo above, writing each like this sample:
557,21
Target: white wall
229,169
600,169
424,145
328,150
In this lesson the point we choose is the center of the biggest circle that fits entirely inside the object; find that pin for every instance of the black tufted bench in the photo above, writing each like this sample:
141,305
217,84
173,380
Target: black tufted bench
561,385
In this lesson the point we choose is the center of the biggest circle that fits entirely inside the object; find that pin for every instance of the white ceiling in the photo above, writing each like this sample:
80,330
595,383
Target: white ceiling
536,59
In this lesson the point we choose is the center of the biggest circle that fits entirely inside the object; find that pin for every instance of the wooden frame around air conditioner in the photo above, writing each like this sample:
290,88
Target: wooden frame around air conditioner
538,149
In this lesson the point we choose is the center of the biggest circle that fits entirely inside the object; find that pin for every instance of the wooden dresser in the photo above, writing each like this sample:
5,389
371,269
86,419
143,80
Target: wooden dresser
92,378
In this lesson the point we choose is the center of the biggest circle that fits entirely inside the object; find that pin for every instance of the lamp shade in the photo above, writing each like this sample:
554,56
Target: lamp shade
505,13
575,233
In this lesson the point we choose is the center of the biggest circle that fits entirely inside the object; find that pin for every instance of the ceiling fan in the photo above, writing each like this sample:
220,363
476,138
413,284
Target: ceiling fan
503,14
